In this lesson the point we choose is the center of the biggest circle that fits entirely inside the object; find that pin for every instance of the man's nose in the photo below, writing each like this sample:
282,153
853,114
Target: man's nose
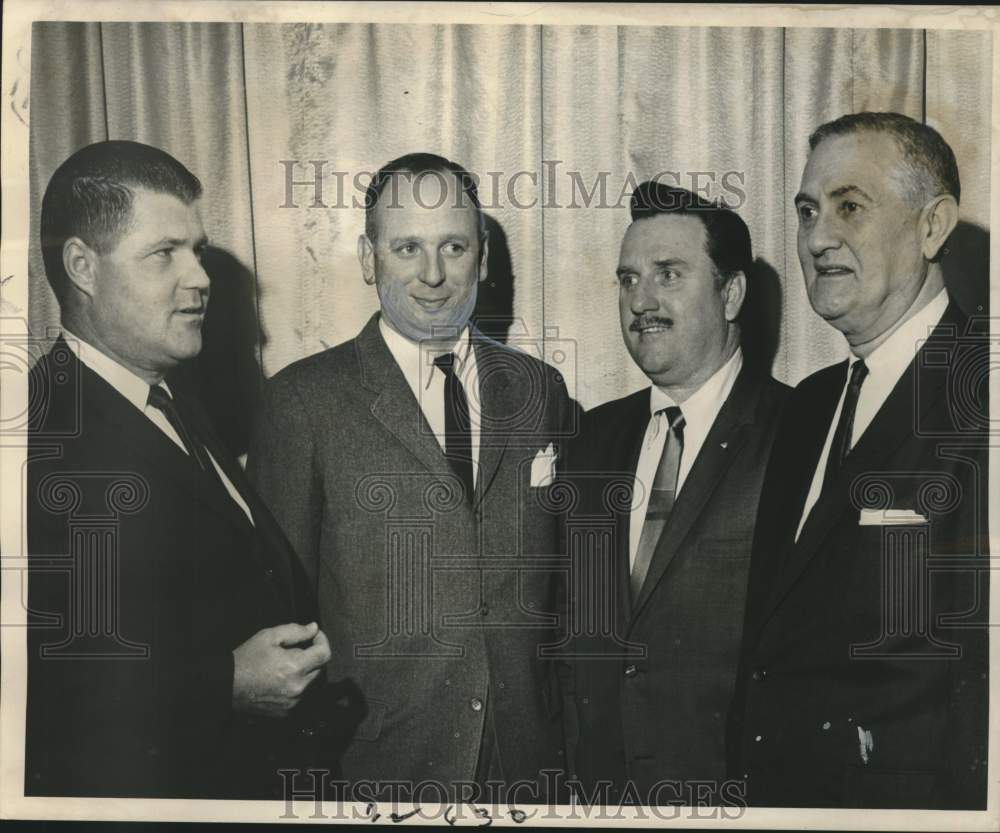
822,234
195,276
643,298
433,272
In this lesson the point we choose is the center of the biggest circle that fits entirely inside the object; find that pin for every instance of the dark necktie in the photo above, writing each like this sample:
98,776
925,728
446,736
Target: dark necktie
841,445
661,497
457,428
160,399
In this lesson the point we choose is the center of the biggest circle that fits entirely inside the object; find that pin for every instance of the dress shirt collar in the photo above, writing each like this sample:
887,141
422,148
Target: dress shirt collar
123,380
416,359
702,406
892,356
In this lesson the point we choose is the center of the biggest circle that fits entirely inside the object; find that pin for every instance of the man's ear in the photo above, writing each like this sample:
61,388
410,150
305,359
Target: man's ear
80,263
734,294
484,250
938,220
366,257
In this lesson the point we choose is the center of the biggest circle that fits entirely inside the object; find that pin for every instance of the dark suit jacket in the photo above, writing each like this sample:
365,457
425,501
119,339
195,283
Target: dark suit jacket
144,575
433,605
844,632
651,705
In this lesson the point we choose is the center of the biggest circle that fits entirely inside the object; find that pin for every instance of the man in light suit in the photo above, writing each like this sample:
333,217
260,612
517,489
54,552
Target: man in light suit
652,682
172,633
863,678
406,468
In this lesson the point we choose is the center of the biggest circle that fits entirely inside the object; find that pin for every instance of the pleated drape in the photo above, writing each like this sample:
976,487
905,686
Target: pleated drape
248,106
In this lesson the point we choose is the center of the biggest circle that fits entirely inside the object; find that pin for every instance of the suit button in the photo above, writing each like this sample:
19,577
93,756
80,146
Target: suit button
484,610
631,670
268,573
476,704
759,675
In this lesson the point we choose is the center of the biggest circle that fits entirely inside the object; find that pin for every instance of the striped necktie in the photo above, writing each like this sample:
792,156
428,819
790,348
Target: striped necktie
661,496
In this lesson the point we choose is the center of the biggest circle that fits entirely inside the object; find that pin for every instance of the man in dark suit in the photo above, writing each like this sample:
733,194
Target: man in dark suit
863,677
173,634
658,620
409,468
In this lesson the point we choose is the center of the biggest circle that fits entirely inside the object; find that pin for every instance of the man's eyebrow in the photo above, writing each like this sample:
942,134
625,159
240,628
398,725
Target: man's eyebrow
844,190
670,261
165,241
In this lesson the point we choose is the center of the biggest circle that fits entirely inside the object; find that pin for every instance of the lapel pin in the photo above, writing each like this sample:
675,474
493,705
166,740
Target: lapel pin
723,445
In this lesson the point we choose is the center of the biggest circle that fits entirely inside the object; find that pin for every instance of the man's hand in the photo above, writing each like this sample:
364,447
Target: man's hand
275,666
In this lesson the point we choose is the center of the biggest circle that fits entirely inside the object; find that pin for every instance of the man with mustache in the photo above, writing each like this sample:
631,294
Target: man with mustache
863,679
408,466
651,687
172,635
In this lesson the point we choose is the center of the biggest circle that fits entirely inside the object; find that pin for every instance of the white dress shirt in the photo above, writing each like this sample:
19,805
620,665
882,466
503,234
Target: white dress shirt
136,391
886,365
700,410
426,380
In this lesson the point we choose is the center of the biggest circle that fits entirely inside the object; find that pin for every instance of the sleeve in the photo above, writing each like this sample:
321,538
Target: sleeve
966,752
282,467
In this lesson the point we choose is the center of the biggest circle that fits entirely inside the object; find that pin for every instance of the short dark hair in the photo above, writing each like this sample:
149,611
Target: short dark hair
727,236
930,166
90,196
416,165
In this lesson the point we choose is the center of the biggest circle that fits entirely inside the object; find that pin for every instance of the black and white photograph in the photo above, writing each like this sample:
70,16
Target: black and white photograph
498,413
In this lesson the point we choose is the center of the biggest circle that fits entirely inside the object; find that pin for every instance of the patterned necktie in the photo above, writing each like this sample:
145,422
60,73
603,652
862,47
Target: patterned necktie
457,428
161,400
841,445
661,497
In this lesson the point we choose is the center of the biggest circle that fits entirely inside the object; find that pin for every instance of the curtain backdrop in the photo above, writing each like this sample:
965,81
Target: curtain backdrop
239,104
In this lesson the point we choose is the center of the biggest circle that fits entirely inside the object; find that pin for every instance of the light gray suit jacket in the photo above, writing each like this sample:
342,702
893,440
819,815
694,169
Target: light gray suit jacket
432,604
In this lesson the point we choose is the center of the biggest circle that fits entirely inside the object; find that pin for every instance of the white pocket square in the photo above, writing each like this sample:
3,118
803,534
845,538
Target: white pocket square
890,517
543,467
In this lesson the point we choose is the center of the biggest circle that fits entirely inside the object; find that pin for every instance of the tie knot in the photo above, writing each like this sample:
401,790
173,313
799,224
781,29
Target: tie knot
159,397
445,363
675,418
858,373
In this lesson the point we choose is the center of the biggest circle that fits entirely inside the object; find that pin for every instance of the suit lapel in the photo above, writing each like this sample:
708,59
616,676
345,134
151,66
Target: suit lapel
790,468
213,485
886,433
394,404
499,408
276,550
632,431
132,428
723,443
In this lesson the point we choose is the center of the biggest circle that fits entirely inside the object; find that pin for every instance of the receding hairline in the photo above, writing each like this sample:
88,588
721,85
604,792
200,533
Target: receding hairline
916,182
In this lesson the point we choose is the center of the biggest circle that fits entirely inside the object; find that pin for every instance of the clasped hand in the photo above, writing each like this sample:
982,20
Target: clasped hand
275,666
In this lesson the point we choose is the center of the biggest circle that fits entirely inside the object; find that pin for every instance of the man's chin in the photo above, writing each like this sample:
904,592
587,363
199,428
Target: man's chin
654,366
186,350
431,328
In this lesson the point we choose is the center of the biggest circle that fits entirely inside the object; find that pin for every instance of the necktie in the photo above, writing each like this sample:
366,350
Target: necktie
841,445
160,399
661,497
457,428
